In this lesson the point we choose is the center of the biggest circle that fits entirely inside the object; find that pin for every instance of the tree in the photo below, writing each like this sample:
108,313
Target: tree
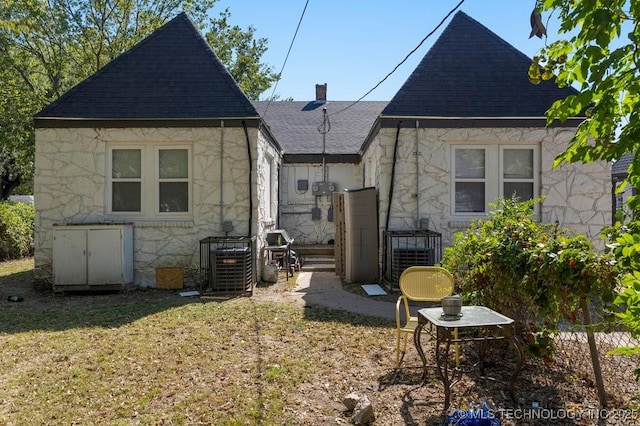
48,46
598,52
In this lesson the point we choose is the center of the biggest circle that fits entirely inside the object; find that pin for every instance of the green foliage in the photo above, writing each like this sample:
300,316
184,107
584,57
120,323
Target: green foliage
597,51
49,46
16,230
535,273
241,52
624,240
599,56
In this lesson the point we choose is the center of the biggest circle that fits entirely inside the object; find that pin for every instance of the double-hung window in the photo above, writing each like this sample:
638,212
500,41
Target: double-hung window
149,180
482,173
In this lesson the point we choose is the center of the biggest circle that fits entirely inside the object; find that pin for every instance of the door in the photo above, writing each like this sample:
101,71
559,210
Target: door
69,256
104,256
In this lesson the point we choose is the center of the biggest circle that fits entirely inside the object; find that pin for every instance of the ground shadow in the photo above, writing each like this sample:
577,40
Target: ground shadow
324,293
40,308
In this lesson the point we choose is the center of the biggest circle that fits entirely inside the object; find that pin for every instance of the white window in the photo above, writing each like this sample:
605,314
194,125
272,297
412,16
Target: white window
483,173
126,180
173,180
149,180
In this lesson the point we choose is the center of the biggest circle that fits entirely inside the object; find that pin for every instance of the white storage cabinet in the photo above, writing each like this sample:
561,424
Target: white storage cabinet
92,257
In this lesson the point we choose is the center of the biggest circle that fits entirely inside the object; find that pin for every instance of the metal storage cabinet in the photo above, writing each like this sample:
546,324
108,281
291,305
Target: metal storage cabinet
339,239
361,235
92,257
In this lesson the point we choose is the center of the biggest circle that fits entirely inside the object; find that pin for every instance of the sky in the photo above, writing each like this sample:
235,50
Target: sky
351,45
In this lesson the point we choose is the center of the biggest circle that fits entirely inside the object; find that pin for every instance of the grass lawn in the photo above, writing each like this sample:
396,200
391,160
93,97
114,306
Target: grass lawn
153,357
142,359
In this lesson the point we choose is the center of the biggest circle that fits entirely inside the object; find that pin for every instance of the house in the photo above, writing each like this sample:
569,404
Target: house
466,127
619,173
321,140
161,141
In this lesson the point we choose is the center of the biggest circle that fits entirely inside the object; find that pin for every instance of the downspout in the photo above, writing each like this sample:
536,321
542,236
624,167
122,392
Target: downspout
222,175
417,154
393,174
246,135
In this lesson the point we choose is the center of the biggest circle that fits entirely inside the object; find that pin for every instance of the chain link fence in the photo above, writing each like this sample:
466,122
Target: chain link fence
618,371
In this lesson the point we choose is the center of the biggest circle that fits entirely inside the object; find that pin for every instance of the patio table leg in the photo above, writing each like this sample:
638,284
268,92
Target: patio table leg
515,342
416,341
442,362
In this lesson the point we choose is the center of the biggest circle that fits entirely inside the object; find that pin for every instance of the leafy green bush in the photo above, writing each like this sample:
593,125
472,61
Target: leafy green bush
535,273
16,230
624,238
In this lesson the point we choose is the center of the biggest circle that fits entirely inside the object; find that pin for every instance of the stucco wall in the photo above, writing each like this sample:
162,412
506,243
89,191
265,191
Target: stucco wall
578,196
70,186
296,204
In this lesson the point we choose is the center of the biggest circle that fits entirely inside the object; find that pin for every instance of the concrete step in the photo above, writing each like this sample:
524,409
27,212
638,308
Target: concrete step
319,260
313,249
319,267
318,263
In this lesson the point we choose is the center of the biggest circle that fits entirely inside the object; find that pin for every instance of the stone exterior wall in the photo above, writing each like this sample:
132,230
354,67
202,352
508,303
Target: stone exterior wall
265,194
578,196
296,204
70,186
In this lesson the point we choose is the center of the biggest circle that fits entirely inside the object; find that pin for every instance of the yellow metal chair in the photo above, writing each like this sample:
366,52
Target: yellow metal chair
419,284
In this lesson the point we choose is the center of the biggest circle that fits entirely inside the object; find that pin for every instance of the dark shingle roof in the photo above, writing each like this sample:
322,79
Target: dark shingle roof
295,125
471,72
173,73
620,167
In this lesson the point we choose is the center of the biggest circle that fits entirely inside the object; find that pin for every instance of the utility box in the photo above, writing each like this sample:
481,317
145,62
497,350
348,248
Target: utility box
92,256
323,188
360,209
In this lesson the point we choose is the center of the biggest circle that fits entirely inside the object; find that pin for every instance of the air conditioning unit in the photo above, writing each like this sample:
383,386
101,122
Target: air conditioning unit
231,270
403,258
227,265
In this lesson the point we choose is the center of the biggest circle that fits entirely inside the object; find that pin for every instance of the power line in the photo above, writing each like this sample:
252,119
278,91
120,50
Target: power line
275,86
403,61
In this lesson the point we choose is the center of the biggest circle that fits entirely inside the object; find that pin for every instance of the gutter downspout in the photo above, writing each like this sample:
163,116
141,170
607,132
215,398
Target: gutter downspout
246,135
393,175
222,176
417,154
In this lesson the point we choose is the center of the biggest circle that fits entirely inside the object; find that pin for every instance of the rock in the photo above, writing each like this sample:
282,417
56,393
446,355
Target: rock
350,401
363,412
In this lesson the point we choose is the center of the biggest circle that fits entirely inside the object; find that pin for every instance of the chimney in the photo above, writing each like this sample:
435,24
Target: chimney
321,92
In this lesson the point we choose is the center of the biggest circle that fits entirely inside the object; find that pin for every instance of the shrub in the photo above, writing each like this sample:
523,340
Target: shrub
535,273
624,243
16,230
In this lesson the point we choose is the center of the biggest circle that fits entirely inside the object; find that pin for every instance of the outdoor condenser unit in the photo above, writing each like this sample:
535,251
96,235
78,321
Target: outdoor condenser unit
230,269
227,265
406,257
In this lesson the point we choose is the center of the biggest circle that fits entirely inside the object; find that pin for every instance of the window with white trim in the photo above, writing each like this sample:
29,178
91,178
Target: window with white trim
482,173
149,180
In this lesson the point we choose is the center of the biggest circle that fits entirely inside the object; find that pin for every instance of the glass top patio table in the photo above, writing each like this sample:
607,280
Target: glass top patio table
472,316
490,326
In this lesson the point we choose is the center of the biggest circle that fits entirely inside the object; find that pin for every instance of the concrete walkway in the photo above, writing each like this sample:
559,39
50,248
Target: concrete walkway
325,289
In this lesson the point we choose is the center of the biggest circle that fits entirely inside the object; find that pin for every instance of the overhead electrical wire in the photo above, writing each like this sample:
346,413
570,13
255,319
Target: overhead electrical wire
275,86
403,61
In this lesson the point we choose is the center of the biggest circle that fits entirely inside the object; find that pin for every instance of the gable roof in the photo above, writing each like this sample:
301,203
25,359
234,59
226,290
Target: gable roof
620,168
171,74
296,125
471,72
